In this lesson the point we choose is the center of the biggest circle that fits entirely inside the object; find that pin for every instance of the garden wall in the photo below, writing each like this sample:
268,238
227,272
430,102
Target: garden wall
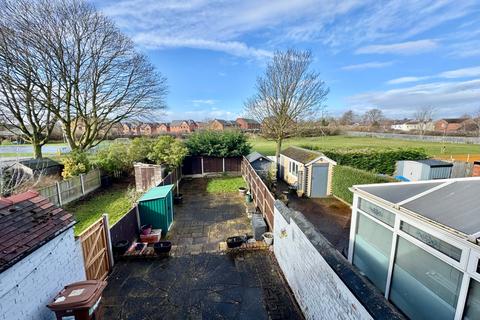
324,283
32,283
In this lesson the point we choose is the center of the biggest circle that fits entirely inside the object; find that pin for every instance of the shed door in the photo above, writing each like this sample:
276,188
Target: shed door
319,180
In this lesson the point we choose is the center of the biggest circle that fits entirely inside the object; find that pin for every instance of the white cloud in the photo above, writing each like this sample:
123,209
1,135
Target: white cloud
406,80
449,98
367,65
461,73
403,48
198,102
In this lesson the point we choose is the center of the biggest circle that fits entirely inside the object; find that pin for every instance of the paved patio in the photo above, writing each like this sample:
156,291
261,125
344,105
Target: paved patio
204,220
239,285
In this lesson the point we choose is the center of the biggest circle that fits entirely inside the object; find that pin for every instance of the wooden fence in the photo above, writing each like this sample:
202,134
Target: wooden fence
126,228
173,177
201,166
262,197
97,249
69,190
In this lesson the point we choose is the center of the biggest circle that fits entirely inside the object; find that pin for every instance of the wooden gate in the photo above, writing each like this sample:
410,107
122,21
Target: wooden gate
96,250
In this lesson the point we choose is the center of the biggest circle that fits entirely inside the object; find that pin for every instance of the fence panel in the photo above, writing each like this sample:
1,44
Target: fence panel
212,164
192,165
91,181
96,250
51,193
233,164
262,197
126,228
70,189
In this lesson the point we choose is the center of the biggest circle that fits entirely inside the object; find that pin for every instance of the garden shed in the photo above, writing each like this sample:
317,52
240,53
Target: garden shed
423,170
37,167
259,162
155,207
310,172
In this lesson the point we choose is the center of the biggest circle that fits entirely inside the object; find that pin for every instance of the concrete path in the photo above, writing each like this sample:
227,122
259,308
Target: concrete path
204,221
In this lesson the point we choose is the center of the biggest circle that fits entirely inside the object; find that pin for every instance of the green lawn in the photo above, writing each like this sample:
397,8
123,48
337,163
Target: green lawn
115,200
225,184
331,142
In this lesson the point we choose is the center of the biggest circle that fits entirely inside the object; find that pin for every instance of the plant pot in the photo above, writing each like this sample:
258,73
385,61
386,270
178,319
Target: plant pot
235,242
162,247
242,191
248,198
178,198
146,229
120,247
268,238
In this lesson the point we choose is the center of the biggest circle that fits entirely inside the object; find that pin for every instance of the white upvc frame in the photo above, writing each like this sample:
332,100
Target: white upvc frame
469,256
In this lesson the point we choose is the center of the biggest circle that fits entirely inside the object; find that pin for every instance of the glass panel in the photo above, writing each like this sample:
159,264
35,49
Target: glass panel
434,242
423,286
371,253
377,212
472,307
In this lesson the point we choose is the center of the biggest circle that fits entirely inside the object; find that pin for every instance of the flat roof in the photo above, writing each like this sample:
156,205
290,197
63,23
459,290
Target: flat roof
453,203
156,193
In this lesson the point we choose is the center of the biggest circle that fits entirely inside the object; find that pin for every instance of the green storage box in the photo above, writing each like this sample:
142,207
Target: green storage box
156,208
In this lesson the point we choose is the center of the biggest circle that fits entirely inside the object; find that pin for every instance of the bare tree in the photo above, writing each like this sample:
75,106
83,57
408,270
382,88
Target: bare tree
424,116
22,102
476,120
98,77
347,118
373,117
287,94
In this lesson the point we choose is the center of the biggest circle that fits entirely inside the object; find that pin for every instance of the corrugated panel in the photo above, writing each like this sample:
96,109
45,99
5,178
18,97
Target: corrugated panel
440,172
154,212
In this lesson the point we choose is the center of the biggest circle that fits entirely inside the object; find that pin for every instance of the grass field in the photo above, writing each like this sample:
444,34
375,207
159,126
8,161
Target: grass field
115,201
346,142
226,184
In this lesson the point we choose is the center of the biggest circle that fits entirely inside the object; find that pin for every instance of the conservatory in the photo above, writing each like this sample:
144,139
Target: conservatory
418,243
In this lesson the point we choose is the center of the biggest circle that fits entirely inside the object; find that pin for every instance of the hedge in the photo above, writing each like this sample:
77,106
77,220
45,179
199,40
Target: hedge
344,177
379,161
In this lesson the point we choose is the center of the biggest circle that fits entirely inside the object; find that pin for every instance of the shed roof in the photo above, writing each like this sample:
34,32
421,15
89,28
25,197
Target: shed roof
39,164
254,156
300,154
28,220
156,193
454,120
452,203
433,163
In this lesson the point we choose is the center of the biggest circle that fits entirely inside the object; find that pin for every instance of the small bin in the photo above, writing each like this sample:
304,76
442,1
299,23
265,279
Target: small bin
79,300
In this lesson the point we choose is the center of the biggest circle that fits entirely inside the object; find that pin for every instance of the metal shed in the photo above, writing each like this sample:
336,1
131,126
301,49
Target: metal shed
423,170
156,208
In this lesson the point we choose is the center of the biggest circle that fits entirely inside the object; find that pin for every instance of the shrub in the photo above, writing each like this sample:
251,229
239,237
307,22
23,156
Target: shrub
139,149
115,157
218,144
168,150
75,163
344,177
379,161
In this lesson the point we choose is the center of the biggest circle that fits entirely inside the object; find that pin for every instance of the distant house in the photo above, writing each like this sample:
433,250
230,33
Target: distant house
38,255
183,126
37,167
163,128
148,129
413,125
310,172
221,125
130,128
451,124
248,124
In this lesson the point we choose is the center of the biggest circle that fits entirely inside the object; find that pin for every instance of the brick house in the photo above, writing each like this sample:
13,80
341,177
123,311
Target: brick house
221,125
451,124
148,129
38,255
183,126
248,124
163,128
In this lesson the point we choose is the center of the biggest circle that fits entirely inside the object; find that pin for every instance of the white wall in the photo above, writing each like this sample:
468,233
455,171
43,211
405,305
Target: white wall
29,285
320,293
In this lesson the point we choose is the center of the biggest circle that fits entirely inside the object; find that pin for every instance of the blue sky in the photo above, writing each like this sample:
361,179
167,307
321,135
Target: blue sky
395,55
